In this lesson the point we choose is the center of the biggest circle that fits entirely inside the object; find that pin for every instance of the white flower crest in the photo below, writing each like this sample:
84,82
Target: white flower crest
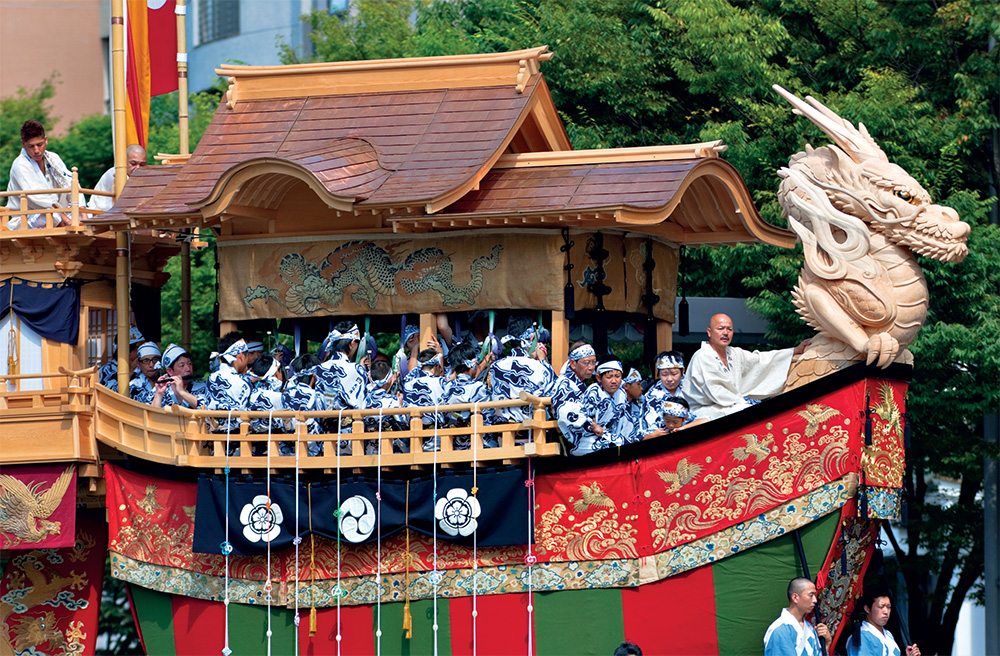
457,512
261,520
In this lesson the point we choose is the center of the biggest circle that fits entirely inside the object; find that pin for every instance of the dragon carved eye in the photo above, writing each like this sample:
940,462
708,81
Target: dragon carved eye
902,194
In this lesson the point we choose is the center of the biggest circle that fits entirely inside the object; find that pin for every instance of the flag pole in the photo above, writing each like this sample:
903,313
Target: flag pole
180,9
121,236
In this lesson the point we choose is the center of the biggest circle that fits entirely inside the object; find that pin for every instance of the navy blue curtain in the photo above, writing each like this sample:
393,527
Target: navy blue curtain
52,311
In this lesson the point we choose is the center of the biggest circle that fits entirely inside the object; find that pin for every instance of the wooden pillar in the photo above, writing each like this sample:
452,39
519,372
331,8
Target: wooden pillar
226,327
560,338
664,336
186,295
121,238
428,329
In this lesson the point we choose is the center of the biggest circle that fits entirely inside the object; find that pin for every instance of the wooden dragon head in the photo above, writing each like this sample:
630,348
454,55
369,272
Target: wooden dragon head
860,184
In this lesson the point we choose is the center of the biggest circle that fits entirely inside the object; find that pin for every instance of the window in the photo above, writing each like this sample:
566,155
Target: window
218,19
101,330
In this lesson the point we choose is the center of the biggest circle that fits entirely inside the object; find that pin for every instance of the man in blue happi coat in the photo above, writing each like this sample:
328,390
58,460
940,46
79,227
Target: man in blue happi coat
343,382
792,634
523,368
425,387
570,384
229,386
464,388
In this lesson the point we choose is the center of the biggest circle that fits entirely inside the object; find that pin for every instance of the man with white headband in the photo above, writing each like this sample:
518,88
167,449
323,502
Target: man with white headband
255,349
425,387
108,374
229,387
268,380
463,388
524,368
380,396
340,380
300,395
723,379
600,420
569,385
182,389
147,387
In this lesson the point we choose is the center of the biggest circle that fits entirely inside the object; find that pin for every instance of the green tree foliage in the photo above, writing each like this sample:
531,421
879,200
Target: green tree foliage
87,146
14,111
203,333
917,73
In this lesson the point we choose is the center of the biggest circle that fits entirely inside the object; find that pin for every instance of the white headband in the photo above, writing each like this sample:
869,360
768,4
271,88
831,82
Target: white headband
633,376
669,362
382,381
610,365
149,348
582,351
255,346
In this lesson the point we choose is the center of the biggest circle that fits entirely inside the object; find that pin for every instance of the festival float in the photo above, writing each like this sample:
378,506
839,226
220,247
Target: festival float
373,190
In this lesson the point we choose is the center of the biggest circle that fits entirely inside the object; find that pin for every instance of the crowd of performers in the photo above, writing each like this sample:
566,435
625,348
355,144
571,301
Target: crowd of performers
348,373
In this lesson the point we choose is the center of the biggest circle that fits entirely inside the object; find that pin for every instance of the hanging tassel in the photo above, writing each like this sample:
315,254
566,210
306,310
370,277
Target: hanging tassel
407,616
868,421
312,621
312,565
863,502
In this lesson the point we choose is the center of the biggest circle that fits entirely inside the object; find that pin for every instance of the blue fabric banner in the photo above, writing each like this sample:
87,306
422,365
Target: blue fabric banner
52,311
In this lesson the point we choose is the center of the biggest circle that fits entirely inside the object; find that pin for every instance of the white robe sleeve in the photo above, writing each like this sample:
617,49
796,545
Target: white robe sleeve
106,183
714,391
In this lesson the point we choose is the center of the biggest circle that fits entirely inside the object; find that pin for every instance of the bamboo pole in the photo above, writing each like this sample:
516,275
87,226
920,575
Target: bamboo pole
180,10
121,237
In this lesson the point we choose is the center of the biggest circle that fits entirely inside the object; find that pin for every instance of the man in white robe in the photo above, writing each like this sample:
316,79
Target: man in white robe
722,379
38,168
135,157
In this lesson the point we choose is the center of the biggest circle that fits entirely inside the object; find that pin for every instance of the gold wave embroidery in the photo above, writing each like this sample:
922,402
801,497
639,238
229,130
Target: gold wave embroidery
599,536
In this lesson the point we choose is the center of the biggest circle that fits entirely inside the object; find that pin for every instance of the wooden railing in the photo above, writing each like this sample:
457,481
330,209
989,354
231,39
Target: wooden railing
76,208
184,437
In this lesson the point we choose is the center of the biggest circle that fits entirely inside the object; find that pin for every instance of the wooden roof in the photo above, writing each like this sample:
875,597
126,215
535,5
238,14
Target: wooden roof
435,143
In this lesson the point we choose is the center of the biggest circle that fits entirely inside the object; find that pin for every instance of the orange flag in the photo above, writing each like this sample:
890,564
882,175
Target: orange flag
152,61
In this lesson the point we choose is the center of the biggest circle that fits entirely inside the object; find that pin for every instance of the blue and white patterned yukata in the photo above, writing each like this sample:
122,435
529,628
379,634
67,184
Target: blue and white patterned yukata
424,389
344,384
299,396
607,411
379,398
465,389
514,373
228,390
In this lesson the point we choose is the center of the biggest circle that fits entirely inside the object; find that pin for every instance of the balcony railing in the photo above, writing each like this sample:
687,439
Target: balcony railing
77,208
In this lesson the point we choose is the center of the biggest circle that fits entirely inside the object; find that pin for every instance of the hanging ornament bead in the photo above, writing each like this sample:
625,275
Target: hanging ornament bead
226,651
378,633
338,637
529,482
338,513
530,559
226,547
297,540
530,608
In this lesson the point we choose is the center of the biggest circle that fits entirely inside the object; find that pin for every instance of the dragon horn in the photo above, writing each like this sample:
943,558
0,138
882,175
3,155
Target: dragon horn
856,143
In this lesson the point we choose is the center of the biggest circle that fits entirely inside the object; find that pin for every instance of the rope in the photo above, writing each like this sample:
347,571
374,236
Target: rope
475,531
407,616
297,541
268,586
437,447
530,558
340,421
378,519
227,548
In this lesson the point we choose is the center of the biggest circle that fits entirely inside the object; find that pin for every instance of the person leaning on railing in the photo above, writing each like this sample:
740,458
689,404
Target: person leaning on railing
38,168
135,157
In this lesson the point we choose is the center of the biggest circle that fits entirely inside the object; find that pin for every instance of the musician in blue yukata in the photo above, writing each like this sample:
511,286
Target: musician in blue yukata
182,389
463,388
570,384
523,368
268,379
871,637
148,387
299,394
340,380
669,368
381,396
632,384
600,419
108,374
792,634
425,387
229,387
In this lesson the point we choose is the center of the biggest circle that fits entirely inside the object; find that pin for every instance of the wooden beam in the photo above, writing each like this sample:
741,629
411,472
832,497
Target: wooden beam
560,338
664,336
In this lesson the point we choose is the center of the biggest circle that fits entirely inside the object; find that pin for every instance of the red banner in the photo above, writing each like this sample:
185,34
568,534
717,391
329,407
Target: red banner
37,506
151,63
52,597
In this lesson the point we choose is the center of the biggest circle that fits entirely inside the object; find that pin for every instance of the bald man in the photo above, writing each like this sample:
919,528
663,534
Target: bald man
792,633
135,157
722,379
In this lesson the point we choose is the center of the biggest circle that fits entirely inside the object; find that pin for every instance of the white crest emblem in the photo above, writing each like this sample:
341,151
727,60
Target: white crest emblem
457,512
261,519
357,519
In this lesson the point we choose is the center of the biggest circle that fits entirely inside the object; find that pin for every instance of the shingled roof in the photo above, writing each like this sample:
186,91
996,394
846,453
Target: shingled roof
432,144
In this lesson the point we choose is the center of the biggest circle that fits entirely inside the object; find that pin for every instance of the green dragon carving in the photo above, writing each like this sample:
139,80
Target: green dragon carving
373,272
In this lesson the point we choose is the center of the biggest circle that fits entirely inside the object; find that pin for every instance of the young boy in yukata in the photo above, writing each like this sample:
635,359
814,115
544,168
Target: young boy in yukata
268,380
463,388
300,395
380,395
669,373
425,387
